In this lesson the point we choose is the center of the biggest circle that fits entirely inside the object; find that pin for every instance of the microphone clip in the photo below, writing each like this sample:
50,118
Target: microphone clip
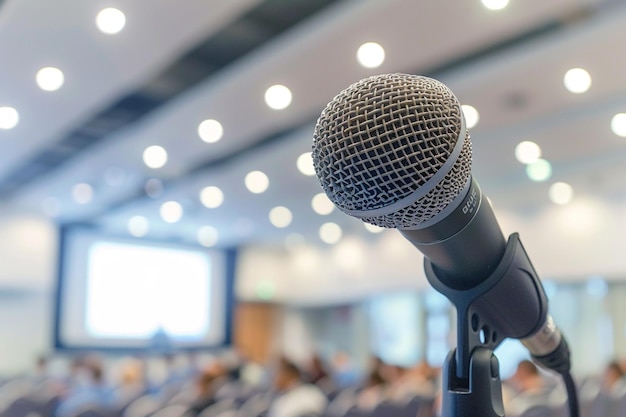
510,302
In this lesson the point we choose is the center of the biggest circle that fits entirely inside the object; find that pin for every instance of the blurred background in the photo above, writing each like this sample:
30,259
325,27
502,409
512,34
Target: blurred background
158,199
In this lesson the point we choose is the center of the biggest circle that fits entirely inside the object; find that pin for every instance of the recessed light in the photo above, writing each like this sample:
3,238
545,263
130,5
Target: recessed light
305,164
561,193
110,20
138,226
211,197
321,204
539,171
207,236
9,117
171,211
330,233
527,152
372,228
210,131
82,193
278,97
155,156
257,182
471,115
618,124
371,55
577,80
50,78
495,4
280,217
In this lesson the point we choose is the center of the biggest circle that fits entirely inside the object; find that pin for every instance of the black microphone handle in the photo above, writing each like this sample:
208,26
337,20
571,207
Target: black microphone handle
466,245
490,278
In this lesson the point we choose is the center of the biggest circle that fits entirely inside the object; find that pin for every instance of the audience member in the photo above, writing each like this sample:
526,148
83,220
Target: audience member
343,370
295,398
90,390
419,380
207,384
372,392
131,385
249,371
41,369
529,389
316,370
613,382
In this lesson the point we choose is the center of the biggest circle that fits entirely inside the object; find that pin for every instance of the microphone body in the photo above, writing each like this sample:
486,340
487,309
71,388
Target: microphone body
466,245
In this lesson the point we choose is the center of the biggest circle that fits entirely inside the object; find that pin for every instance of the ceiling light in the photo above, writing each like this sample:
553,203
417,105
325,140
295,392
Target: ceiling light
577,80
280,216
618,124
155,157
50,78
278,97
9,117
51,206
471,115
207,236
305,164
561,193
540,170
82,193
211,197
153,188
138,226
495,4
527,152
210,131
330,233
110,21
373,228
370,55
171,211
257,182
321,204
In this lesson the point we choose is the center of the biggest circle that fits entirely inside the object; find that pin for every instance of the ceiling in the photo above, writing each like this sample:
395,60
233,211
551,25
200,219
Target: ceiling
176,64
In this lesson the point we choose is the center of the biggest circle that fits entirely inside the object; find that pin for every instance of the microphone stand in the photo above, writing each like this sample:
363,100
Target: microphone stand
506,304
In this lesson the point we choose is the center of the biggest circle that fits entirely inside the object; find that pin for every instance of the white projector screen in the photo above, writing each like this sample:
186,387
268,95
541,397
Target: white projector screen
125,293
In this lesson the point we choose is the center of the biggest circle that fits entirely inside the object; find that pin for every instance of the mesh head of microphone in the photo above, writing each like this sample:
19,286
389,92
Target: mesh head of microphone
378,143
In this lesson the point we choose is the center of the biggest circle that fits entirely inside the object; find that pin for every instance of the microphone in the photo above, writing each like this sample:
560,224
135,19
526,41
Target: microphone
394,151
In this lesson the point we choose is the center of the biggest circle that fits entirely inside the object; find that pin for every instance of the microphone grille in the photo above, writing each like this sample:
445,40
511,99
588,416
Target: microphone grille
383,138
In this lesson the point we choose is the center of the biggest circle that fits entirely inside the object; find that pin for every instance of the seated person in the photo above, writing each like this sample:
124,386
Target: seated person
613,382
530,389
90,390
294,397
207,384
131,383
419,380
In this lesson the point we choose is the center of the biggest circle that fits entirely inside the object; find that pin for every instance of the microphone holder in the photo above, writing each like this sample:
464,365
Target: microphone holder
510,302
